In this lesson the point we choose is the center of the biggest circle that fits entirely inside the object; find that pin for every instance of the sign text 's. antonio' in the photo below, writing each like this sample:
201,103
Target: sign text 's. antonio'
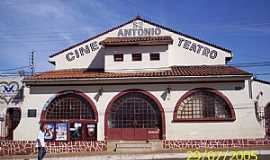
197,48
133,32
77,53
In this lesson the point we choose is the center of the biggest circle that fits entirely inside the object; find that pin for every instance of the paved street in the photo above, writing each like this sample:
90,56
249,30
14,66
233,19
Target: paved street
262,155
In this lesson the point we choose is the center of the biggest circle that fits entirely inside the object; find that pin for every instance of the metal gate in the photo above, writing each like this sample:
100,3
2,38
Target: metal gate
134,116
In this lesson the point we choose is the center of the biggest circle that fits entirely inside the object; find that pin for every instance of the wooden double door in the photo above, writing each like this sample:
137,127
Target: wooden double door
134,116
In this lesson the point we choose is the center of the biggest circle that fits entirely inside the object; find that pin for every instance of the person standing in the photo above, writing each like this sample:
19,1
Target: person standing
41,141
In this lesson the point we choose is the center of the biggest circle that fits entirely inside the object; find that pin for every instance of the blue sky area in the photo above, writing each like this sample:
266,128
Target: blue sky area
52,25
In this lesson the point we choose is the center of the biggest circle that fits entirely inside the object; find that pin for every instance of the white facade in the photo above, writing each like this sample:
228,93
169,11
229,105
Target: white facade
245,126
185,51
144,64
177,55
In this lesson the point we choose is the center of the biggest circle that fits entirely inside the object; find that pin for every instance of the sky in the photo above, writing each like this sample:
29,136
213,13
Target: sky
47,27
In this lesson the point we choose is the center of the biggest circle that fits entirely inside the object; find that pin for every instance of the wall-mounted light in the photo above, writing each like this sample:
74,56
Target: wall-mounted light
99,94
259,95
2,118
166,94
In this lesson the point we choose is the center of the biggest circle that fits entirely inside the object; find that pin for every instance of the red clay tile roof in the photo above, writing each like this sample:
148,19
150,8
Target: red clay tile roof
126,41
174,71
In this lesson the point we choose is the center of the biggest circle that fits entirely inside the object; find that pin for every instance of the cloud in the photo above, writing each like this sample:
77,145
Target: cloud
51,25
262,28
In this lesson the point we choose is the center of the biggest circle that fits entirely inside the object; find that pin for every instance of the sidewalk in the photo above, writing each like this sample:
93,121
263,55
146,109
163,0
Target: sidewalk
262,155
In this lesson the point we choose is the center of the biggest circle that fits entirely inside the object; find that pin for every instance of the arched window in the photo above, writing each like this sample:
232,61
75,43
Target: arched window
70,116
69,106
204,104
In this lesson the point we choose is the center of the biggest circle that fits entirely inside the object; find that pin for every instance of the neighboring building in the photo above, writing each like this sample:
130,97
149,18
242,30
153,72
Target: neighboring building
11,98
144,81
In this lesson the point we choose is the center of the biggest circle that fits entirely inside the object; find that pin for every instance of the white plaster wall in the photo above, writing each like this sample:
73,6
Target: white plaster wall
28,127
12,104
144,64
261,95
245,126
258,87
176,55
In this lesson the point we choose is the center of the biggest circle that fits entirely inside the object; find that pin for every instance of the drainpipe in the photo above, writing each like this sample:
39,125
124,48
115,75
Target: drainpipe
250,87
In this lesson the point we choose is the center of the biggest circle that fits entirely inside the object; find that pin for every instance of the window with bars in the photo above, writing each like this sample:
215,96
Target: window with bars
154,56
118,57
203,105
69,106
136,57
77,114
134,110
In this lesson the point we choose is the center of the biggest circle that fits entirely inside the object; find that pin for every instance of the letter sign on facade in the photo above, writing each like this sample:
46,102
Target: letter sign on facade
138,30
83,50
196,48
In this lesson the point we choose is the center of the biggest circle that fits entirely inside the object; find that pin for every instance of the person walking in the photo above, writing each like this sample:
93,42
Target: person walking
41,141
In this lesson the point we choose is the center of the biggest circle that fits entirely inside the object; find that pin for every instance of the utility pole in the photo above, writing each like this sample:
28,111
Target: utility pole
32,63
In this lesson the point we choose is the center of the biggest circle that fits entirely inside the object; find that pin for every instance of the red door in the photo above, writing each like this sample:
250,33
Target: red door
134,116
267,120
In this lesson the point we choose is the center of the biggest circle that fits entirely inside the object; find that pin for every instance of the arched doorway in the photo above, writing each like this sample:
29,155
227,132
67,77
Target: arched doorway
267,120
13,117
134,115
71,116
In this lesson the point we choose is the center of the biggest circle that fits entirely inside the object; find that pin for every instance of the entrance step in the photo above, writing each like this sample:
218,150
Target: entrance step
134,146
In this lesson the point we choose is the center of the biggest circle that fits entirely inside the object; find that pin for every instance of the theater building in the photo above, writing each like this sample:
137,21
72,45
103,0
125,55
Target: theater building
143,81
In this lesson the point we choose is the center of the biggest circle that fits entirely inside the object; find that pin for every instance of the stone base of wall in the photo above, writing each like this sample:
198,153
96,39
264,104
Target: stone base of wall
215,144
8,147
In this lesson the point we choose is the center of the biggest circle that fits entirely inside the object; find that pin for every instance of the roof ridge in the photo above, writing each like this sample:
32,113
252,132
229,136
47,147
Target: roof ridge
93,37
146,21
183,34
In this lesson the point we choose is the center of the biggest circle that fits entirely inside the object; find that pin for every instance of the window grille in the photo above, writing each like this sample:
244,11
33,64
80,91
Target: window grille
154,57
136,57
69,106
203,105
134,110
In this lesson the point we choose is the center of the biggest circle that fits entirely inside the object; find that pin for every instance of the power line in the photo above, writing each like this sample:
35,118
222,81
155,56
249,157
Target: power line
17,68
252,64
267,73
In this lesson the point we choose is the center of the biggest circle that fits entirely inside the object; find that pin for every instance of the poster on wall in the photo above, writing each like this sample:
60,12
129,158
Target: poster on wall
50,132
76,131
61,131
91,130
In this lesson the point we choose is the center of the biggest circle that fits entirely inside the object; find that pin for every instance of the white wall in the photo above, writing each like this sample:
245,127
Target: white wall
8,81
261,95
264,88
128,65
177,55
245,126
